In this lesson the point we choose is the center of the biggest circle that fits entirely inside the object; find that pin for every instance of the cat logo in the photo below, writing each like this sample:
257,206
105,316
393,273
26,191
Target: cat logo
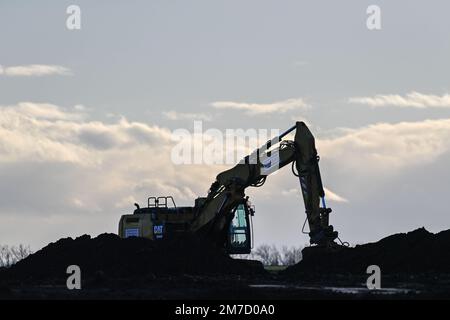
158,231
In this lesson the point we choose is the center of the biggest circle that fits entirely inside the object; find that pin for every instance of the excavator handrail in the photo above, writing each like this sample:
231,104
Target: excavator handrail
157,204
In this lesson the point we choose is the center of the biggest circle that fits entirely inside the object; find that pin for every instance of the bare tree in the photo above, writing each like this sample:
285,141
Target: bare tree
5,256
291,256
263,253
275,256
270,255
10,255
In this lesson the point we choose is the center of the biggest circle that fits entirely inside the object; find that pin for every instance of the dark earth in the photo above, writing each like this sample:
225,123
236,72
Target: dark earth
415,265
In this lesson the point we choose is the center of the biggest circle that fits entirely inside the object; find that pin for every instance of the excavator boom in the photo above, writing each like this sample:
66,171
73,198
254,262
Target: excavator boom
228,191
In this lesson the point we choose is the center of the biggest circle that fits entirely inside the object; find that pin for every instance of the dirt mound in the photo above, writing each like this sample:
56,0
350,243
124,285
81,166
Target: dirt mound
112,256
418,251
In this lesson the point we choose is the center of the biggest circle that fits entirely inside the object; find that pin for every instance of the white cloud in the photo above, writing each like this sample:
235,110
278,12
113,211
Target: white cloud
44,111
263,108
45,132
175,115
411,100
330,195
290,192
54,159
385,148
300,63
37,70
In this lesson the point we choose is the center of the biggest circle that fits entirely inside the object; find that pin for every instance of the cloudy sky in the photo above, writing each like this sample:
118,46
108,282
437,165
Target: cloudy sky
86,115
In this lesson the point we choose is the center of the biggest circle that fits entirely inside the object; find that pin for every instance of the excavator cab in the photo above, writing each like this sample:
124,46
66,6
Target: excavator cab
240,231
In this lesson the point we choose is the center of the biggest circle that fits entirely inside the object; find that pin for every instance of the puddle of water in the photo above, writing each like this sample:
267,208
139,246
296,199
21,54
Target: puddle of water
357,290
271,286
345,290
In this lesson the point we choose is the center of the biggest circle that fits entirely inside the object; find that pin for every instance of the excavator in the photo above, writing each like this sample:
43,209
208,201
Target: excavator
224,216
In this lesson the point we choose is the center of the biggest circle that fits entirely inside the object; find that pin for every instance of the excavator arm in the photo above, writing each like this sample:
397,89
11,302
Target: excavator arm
227,193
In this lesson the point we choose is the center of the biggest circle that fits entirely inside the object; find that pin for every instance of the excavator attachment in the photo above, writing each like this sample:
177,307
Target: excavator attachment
308,173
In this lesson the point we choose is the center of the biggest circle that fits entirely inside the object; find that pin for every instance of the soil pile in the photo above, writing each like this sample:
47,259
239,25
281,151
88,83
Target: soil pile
418,251
112,256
